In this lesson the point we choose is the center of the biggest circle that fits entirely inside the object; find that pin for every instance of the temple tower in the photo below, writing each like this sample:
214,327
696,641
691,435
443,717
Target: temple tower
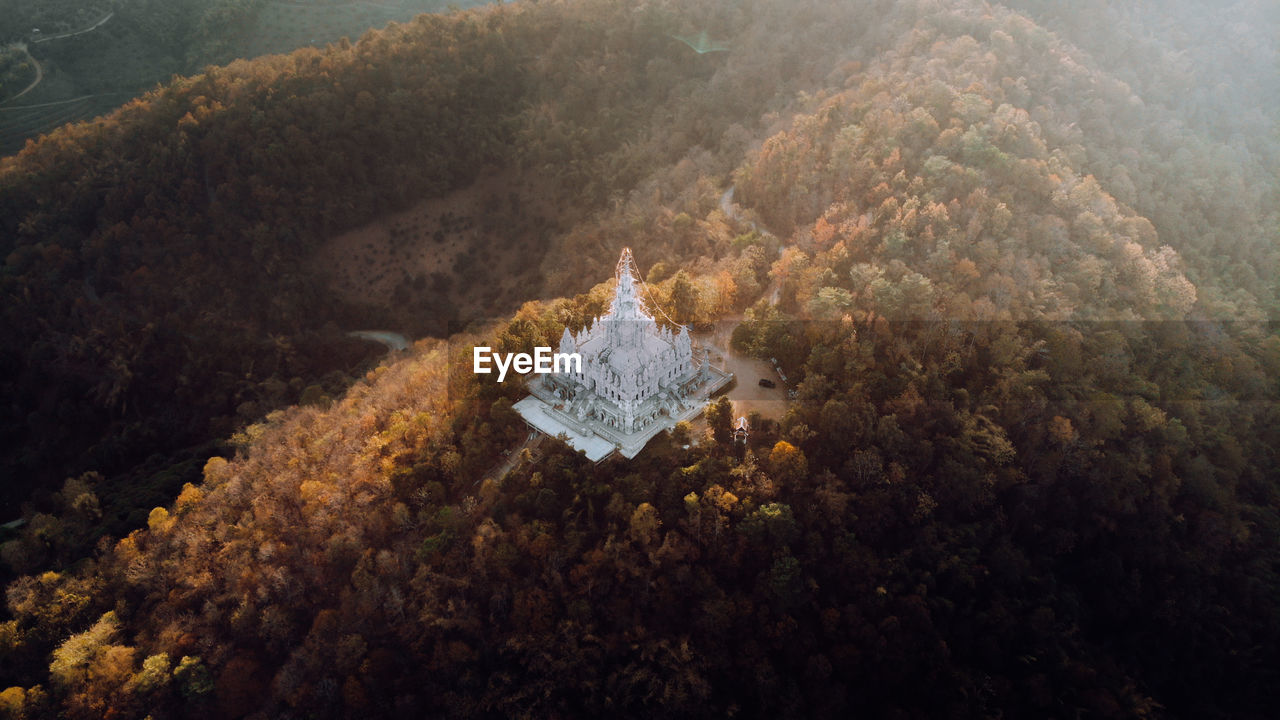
637,377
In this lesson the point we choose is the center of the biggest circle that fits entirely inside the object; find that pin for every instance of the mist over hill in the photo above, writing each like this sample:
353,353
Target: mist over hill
1016,261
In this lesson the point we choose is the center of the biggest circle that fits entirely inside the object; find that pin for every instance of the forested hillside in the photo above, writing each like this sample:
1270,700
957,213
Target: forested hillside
1025,296
88,57
155,259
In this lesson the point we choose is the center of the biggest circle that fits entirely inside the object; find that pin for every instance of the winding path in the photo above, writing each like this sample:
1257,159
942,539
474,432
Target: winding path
73,33
731,211
40,70
393,341
531,440
39,73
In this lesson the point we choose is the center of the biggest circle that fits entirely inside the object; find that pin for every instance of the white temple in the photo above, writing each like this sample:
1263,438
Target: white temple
637,378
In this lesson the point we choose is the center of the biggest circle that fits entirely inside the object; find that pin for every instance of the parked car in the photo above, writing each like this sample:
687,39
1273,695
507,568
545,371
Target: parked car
767,383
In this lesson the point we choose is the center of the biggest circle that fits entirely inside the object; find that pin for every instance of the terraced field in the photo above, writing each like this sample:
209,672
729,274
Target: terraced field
19,124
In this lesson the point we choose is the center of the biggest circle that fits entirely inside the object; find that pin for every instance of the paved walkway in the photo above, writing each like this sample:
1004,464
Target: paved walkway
747,395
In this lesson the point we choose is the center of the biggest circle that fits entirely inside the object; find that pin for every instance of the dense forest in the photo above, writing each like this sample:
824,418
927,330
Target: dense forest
1025,265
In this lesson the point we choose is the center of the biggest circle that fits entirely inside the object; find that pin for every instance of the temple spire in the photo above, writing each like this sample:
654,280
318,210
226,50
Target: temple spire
626,303
626,264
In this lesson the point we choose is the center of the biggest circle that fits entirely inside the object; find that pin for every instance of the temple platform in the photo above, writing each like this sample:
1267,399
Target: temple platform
544,418
543,412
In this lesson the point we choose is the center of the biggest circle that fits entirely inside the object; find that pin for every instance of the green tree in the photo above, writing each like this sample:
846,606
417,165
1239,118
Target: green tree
720,420
684,298
193,678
